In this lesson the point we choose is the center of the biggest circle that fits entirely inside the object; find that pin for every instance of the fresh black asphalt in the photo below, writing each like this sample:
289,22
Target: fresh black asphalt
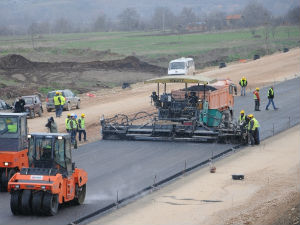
125,167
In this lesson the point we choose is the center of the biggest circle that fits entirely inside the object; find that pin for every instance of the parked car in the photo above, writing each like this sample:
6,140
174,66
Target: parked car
5,107
33,105
72,101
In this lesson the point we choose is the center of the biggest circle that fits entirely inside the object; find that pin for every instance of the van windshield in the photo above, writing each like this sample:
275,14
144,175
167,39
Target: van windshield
177,65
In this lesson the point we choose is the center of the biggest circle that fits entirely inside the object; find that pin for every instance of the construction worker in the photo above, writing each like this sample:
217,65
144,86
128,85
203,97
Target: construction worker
19,105
81,127
253,128
51,125
62,103
73,126
256,99
242,117
57,103
271,98
67,123
11,127
243,83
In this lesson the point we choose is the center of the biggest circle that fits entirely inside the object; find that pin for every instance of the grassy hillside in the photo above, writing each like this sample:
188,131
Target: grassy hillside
157,48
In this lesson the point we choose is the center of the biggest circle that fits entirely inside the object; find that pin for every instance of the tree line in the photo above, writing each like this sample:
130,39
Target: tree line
163,19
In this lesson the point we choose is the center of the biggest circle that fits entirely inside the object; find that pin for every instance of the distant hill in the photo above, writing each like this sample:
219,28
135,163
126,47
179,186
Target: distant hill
16,12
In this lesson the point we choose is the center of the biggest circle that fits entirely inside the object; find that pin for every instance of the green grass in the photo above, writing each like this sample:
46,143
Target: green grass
150,44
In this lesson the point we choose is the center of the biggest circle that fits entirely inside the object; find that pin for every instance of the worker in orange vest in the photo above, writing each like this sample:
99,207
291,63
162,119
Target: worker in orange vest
256,99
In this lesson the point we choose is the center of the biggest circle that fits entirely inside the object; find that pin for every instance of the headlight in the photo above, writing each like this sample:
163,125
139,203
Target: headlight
17,186
6,163
59,137
43,187
29,136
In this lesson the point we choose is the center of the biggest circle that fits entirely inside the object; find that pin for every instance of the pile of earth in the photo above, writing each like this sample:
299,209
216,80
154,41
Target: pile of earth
18,63
15,62
9,92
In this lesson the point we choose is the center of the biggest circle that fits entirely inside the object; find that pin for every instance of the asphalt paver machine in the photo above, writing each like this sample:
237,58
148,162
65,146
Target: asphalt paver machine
202,111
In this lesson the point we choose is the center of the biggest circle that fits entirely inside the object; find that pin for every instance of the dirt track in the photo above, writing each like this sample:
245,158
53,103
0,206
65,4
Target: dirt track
261,72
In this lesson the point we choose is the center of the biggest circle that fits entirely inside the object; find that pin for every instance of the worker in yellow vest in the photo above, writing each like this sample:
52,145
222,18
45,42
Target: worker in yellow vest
62,103
11,127
67,123
243,83
57,103
253,128
73,126
242,117
81,127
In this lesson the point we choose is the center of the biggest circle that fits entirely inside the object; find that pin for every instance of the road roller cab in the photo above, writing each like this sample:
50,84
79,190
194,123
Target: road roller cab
13,147
51,178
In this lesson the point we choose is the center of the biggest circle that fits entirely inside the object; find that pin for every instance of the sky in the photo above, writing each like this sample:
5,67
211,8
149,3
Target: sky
25,12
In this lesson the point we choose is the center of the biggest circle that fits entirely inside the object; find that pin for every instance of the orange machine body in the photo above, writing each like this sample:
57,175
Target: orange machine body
64,187
13,159
221,98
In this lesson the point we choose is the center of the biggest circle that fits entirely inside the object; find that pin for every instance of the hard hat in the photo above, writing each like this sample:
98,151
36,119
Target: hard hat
82,115
257,89
243,78
250,115
72,115
57,92
69,114
8,121
75,116
242,111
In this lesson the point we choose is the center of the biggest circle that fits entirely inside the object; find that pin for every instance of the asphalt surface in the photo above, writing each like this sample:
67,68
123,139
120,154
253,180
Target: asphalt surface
125,167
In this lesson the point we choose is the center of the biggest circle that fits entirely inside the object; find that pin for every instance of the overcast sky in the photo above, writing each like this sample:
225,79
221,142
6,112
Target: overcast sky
24,12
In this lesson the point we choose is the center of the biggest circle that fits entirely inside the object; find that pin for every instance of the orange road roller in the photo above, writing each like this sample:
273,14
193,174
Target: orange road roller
51,178
13,145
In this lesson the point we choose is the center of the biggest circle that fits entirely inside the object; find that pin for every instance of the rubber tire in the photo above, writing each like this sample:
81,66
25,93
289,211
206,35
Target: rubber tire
15,199
36,203
31,114
78,105
4,180
68,106
50,204
26,202
81,192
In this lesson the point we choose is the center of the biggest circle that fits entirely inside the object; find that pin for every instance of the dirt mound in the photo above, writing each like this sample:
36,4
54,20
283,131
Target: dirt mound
15,62
129,63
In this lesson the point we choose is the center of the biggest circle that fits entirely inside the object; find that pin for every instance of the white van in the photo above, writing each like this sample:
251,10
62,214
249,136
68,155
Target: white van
182,66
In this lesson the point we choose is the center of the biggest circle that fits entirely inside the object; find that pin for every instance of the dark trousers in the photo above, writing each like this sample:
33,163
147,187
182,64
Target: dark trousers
57,110
254,137
257,104
73,136
84,135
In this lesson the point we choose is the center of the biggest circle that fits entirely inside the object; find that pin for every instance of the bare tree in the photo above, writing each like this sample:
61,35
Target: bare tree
293,16
216,21
187,16
100,23
163,19
62,25
254,14
129,19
